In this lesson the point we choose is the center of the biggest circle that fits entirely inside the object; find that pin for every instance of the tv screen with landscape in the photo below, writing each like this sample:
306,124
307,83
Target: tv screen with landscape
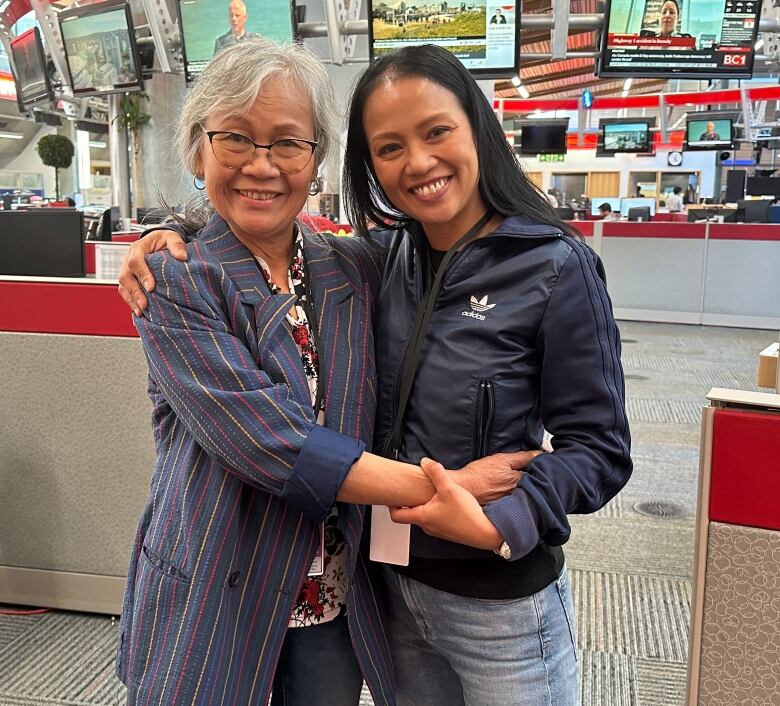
681,38
100,48
624,136
32,81
546,138
208,26
709,133
484,36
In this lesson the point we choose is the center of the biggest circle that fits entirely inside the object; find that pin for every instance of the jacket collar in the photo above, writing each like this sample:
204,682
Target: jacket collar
511,226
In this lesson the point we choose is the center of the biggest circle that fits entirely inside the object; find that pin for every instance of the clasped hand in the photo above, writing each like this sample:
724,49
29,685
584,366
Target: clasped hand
455,512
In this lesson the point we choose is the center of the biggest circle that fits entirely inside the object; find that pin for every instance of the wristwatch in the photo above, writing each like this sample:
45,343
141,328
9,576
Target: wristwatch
504,551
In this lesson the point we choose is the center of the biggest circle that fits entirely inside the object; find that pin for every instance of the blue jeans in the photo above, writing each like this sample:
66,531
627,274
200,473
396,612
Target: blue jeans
451,650
317,667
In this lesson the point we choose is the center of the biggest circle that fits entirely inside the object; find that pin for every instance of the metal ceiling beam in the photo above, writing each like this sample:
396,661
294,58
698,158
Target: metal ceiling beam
559,34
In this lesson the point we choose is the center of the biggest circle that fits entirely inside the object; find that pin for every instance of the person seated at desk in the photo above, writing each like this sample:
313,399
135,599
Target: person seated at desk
607,214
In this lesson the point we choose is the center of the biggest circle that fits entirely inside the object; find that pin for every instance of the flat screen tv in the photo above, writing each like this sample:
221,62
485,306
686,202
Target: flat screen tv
484,36
763,186
100,48
617,136
208,26
709,133
30,75
548,137
680,38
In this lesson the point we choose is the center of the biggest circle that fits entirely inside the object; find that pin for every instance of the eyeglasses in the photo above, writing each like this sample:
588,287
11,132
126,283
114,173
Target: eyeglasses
289,156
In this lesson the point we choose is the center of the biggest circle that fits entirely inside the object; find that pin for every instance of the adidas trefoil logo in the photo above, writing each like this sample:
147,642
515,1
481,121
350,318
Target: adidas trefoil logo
478,307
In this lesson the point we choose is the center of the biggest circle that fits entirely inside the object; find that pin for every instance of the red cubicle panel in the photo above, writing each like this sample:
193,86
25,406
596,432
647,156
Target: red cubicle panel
745,478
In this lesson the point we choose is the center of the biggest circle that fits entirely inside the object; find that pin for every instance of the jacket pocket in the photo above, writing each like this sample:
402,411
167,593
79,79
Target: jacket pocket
483,418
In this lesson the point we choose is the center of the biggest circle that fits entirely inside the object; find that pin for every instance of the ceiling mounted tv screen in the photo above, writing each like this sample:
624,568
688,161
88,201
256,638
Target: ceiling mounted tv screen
681,38
484,36
542,138
208,26
709,133
32,80
617,136
100,48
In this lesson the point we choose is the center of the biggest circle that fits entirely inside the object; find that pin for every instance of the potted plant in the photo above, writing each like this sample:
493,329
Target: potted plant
55,151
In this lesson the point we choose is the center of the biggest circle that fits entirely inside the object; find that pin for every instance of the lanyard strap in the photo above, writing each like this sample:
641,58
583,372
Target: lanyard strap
422,319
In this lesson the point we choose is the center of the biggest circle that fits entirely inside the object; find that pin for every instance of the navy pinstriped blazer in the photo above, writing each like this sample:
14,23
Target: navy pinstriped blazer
243,474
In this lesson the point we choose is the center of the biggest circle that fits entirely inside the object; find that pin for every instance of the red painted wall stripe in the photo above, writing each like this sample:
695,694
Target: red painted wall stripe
745,484
53,307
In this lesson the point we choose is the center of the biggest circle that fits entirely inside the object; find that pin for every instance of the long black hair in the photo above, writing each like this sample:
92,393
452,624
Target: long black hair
502,183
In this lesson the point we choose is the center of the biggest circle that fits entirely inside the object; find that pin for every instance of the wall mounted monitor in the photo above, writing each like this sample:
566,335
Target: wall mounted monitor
626,204
536,137
31,77
208,26
616,136
709,132
597,201
681,38
100,48
484,36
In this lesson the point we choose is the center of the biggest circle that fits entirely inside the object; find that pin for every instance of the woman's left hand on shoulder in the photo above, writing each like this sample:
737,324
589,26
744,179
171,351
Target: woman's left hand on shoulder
453,513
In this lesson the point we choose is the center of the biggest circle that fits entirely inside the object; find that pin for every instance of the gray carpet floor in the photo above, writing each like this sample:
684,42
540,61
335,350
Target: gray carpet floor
630,573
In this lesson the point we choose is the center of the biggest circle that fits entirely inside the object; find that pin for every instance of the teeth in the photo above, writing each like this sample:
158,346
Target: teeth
431,188
258,195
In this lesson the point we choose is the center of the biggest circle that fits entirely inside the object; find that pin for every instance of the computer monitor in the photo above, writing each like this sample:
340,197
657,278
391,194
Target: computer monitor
639,213
638,202
44,242
32,78
565,213
548,137
755,210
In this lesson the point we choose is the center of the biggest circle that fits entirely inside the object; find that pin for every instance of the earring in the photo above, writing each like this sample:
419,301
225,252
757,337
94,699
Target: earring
195,181
315,187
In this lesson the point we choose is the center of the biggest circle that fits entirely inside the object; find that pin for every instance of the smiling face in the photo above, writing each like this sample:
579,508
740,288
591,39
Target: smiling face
424,154
668,18
258,201
237,17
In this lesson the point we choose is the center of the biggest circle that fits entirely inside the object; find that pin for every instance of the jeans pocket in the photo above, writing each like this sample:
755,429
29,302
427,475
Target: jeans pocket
564,593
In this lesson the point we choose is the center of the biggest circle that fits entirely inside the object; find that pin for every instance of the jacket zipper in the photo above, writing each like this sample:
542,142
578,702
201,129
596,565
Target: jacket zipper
483,419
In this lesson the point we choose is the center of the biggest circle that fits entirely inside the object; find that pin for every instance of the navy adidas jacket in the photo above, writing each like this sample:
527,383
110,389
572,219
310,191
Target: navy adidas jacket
522,338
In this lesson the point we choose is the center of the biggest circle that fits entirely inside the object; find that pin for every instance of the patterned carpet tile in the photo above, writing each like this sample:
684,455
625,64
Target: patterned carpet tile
608,679
632,614
660,683
631,545
664,410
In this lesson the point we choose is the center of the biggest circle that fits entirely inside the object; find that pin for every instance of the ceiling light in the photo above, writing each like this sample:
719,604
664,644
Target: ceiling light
627,83
11,135
516,81
523,91
97,144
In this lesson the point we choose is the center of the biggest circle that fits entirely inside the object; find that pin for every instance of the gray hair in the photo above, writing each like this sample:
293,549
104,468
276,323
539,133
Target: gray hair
230,84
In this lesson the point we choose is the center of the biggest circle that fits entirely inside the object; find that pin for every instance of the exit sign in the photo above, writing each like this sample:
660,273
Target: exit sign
551,157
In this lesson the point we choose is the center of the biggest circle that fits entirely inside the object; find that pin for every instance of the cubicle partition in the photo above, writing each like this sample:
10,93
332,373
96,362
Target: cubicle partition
721,274
734,652
76,450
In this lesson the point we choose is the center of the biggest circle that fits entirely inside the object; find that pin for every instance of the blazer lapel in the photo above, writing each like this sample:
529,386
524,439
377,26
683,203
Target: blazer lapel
330,289
274,349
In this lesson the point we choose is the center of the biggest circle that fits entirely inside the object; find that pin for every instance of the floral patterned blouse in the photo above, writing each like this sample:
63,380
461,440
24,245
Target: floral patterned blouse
322,598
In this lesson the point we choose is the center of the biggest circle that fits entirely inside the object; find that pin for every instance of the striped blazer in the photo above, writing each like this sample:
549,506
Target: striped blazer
243,475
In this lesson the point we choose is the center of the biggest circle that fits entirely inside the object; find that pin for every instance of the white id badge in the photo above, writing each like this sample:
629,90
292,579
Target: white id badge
389,540
318,564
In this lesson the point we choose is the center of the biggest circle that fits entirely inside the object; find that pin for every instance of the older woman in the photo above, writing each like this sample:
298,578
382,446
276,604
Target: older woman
262,377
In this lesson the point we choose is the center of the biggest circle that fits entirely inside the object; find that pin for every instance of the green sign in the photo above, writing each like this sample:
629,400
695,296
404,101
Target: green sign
551,157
